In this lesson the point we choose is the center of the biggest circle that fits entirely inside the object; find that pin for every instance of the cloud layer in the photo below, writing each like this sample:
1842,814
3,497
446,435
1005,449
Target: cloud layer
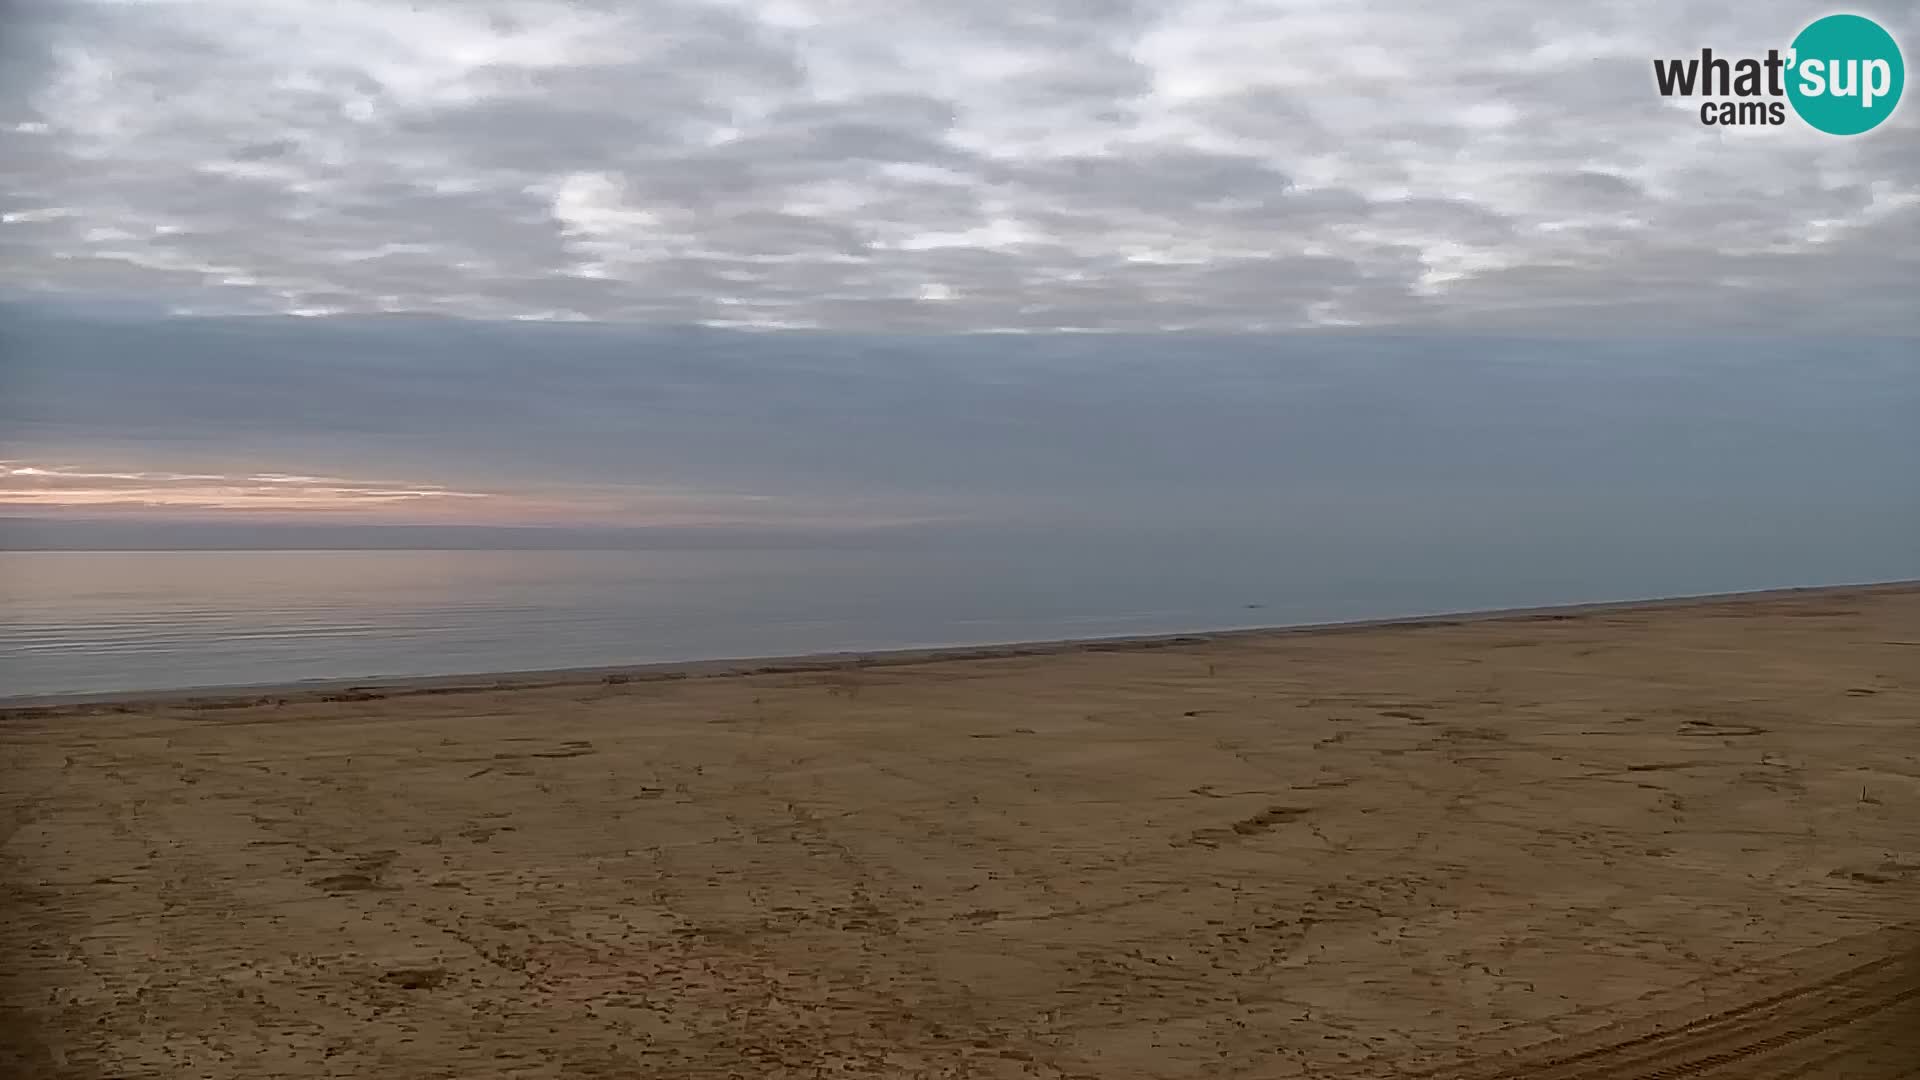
913,165
572,424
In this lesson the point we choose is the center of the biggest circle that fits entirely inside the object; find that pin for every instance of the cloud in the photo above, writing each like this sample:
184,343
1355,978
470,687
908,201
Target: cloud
1219,165
604,421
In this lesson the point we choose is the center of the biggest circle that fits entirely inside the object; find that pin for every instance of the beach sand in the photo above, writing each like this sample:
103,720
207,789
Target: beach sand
1669,841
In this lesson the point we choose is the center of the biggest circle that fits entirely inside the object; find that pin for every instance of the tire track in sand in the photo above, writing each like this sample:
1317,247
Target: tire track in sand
1853,1011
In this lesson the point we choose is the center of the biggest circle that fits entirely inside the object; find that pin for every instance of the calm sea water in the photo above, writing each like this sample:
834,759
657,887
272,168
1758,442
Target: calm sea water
113,621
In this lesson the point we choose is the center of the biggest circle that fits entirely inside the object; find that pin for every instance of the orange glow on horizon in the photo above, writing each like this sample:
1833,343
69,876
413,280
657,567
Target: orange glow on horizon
76,491
38,487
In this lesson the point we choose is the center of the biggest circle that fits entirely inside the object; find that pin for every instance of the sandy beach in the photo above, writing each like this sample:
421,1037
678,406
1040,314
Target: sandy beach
1679,841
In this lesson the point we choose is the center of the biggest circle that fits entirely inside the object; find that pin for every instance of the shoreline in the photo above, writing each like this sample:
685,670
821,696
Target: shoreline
369,688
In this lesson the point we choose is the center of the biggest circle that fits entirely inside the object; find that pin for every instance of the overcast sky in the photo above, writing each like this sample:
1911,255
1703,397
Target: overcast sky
1342,433
941,165
1388,266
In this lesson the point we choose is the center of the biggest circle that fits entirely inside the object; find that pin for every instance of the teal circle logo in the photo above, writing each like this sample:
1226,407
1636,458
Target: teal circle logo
1846,74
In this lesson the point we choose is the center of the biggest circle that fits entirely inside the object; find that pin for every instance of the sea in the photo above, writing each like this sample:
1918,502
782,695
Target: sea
98,622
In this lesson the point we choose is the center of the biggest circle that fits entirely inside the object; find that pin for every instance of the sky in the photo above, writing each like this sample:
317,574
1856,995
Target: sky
926,165
808,265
